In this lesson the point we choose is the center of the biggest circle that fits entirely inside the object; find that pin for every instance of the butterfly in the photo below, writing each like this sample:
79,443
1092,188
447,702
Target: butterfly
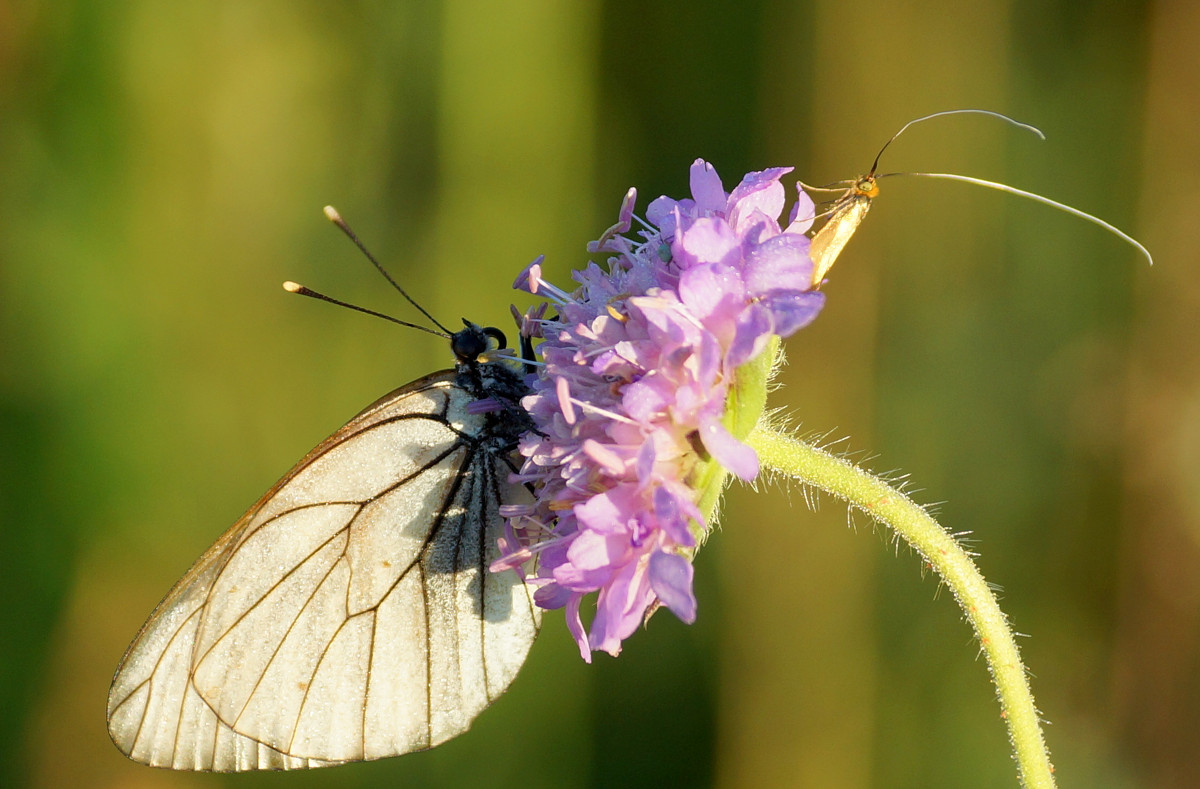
350,613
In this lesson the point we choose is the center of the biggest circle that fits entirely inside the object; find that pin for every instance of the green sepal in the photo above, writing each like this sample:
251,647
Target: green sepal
744,407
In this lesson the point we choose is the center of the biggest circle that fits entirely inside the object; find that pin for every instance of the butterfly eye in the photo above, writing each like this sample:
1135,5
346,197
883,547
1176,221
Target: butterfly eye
469,343
472,342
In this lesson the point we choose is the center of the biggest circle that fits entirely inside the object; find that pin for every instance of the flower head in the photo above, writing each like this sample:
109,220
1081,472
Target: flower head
638,363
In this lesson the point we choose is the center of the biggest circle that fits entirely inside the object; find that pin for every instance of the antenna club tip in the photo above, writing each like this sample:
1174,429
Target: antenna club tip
332,214
292,287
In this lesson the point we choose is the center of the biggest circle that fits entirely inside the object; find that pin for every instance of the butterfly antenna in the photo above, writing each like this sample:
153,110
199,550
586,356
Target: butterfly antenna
1013,121
336,218
295,287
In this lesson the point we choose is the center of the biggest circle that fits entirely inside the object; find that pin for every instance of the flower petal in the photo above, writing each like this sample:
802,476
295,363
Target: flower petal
707,190
671,580
779,263
793,310
728,451
803,213
706,241
759,193
754,329
619,607
575,625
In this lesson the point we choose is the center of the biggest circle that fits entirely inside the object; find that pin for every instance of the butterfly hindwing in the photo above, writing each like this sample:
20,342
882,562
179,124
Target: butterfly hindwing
350,614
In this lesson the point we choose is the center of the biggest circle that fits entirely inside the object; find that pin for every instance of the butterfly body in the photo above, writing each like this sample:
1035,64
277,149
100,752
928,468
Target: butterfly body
350,614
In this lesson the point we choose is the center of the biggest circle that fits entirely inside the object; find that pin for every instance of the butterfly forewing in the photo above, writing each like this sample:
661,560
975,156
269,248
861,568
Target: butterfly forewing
350,614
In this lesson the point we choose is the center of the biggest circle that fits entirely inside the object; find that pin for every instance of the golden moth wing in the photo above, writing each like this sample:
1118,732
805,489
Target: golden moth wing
348,615
833,236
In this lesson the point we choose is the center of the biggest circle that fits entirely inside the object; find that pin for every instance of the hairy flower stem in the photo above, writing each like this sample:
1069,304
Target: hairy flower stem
887,505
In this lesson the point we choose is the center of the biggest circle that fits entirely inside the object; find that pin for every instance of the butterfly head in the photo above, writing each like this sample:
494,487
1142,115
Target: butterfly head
474,341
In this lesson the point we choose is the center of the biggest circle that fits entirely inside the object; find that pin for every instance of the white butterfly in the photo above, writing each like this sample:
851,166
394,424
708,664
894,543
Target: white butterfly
350,614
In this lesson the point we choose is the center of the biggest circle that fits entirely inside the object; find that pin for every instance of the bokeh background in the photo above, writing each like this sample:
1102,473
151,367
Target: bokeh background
162,170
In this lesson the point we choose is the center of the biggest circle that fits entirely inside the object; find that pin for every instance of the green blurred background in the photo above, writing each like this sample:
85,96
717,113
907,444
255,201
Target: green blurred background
162,170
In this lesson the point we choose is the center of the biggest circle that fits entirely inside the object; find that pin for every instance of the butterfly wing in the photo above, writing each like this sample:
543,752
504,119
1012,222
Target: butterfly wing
349,615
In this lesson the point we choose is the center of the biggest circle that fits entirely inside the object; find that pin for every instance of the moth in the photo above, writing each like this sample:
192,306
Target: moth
855,198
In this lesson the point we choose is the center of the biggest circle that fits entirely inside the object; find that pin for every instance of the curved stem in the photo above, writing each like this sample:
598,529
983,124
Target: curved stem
889,506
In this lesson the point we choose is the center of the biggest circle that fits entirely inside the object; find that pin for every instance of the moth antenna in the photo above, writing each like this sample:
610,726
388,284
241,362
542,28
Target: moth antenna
1013,121
333,216
295,287
1037,198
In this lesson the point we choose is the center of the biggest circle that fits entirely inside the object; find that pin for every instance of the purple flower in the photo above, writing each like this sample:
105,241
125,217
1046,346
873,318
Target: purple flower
637,364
